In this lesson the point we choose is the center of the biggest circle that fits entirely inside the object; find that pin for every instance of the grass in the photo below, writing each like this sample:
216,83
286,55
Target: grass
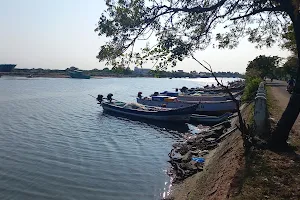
250,89
250,119
273,107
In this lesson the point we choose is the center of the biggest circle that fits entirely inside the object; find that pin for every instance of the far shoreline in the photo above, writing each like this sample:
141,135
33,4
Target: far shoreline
53,75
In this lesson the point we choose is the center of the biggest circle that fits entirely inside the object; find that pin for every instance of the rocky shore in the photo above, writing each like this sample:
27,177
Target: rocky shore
208,164
188,157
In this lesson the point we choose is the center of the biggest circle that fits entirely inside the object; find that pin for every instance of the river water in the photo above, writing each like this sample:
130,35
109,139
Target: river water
55,142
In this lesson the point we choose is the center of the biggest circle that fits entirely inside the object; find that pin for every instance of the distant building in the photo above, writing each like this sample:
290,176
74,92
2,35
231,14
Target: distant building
180,70
141,71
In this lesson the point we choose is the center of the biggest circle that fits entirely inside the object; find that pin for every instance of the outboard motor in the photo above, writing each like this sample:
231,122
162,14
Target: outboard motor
100,98
140,95
183,89
109,97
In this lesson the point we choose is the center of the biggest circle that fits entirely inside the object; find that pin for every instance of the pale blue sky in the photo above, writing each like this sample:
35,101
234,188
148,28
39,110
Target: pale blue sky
57,34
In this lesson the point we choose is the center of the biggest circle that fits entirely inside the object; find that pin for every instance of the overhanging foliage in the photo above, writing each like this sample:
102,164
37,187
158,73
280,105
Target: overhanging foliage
182,27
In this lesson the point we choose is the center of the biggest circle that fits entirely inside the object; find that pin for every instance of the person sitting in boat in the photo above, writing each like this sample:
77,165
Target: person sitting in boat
213,86
109,97
100,98
140,95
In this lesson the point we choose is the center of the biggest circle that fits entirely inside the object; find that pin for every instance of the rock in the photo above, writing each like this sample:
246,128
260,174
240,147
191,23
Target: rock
194,148
202,153
188,166
175,145
191,140
210,139
219,130
195,152
183,149
187,157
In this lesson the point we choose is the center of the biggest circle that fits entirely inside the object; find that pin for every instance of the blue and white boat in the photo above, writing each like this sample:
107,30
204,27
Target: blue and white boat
203,106
151,113
199,96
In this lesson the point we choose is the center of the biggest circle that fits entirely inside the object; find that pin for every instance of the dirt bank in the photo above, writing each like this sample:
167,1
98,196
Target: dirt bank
221,174
281,98
269,174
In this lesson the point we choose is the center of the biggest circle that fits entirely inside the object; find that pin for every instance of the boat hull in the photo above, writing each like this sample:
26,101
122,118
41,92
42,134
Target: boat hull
79,75
7,67
179,115
207,97
210,119
204,106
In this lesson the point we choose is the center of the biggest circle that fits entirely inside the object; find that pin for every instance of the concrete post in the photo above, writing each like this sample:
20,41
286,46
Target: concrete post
260,111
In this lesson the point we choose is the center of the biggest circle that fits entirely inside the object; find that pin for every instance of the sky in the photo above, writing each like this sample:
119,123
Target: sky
57,34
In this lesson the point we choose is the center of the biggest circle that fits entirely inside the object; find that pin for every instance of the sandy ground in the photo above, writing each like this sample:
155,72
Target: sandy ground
282,97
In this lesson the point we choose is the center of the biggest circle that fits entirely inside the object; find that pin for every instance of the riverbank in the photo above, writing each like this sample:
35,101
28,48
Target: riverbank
55,75
269,174
222,172
50,75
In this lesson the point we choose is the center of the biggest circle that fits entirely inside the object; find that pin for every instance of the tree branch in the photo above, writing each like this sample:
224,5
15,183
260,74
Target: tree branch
197,9
243,126
274,9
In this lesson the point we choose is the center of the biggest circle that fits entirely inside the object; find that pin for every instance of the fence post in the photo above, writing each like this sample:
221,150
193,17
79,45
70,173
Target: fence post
260,111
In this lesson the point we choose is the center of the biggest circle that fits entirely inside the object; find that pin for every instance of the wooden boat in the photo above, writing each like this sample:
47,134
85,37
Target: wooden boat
152,113
208,97
220,89
199,96
79,74
203,106
210,119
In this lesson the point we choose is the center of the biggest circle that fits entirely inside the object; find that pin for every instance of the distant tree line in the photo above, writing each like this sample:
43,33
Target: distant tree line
123,72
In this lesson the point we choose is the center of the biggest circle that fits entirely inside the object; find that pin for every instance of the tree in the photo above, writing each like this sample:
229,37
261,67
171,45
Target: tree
279,73
106,69
289,40
290,66
185,26
127,71
265,65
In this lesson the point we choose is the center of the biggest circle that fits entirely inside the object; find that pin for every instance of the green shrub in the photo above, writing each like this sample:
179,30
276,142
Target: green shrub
251,88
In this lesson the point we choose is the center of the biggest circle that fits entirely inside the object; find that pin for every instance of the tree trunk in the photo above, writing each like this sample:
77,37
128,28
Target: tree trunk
289,116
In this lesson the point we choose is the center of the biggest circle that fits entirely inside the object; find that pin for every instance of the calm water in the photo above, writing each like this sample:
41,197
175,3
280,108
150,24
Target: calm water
55,142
